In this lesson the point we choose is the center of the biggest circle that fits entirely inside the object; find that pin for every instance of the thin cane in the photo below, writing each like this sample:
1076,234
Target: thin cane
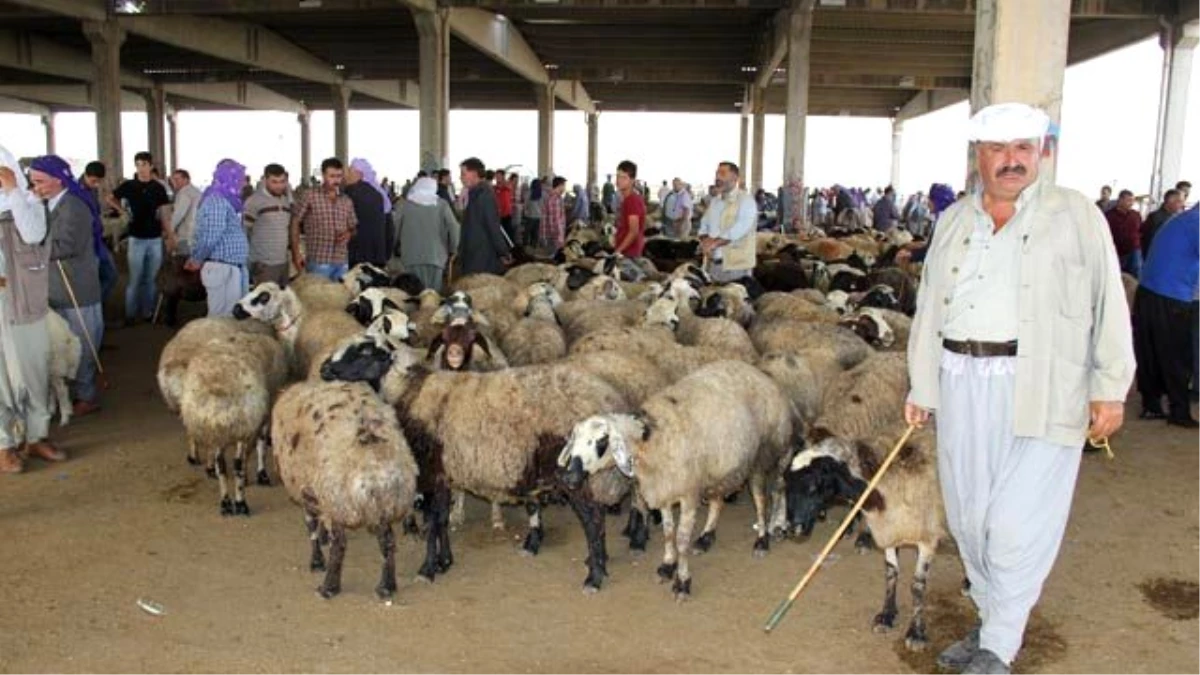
784,606
87,335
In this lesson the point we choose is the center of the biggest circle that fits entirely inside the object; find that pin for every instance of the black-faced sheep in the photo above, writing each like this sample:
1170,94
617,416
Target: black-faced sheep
704,436
308,335
363,276
343,459
905,509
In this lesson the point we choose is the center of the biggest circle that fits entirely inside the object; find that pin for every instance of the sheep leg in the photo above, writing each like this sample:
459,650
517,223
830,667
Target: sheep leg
429,568
458,513
709,535
682,587
591,516
260,452
220,469
666,571
637,528
193,456
239,485
498,517
316,563
332,585
779,524
885,620
445,559
533,540
758,492
387,547
915,639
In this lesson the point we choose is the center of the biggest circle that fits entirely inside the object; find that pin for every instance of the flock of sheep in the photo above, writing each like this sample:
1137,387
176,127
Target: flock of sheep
592,380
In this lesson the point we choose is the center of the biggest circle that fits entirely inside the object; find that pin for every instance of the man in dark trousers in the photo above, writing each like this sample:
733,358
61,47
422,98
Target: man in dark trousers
1165,311
483,247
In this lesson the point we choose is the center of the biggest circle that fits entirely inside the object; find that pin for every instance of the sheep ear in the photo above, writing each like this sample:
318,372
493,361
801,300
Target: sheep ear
564,457
434,346
482,342
620,453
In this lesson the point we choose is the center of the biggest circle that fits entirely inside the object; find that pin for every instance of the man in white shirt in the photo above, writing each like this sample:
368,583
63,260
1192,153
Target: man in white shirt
727,230
183,213
1021,344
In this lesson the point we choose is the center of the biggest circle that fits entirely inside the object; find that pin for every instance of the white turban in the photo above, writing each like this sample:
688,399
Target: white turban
1006,122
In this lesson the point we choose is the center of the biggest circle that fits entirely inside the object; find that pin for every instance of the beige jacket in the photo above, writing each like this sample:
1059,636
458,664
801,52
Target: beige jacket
1075,338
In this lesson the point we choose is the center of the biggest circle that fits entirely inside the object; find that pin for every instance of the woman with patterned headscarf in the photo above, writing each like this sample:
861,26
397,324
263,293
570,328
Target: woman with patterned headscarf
220,248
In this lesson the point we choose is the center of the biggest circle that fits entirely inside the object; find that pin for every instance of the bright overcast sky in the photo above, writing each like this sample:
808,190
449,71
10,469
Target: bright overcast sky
1108,124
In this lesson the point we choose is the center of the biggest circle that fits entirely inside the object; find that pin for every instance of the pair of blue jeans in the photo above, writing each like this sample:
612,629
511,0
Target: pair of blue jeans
86,323
1131,263
145,257
334,271
108,274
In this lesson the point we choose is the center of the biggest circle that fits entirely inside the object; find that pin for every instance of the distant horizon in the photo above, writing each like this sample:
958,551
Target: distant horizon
1109,118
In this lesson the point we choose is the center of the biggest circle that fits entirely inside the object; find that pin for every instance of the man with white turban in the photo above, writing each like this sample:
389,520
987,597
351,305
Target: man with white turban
1021,346
24,303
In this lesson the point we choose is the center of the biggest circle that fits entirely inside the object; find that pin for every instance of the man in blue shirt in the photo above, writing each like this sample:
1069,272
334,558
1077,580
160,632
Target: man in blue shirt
1165,315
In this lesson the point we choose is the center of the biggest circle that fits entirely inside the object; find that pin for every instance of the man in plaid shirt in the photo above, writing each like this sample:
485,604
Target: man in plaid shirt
554,219
219,248
326,216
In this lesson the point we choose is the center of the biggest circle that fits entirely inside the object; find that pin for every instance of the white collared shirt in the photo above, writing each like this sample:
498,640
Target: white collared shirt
53,202
743,225
984,305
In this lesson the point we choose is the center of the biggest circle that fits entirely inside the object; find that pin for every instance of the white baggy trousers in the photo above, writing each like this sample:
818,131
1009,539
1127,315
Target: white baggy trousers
1007,498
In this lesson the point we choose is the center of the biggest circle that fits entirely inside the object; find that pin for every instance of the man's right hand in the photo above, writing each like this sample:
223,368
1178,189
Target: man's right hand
299,263
915,415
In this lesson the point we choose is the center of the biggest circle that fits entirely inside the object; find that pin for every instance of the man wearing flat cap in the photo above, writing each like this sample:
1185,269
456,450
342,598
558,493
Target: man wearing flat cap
1021,346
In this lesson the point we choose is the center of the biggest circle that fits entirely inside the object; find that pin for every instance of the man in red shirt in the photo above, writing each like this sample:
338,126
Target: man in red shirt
1126,226
504,203
631,223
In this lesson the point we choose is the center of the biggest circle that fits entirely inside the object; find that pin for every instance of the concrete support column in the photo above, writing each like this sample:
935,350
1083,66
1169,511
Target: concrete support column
341,122
156,136
433,30
1020,56
1179,45
800,23
897,141
305,148
51,144
743,148
173,137
545,101
756,154
593,166
106,38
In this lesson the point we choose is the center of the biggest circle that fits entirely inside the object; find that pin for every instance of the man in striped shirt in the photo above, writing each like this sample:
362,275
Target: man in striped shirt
268,213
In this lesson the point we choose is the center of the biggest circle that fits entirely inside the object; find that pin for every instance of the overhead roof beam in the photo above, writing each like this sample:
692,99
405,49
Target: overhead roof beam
774,50
9,104
70,95
25,51
84,10
401,92
928,101
235,95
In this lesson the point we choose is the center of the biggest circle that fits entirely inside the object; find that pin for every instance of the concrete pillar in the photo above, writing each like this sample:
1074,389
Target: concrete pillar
743,143
800,22
305,148
897,140
173,137
756,154
341,122
593,166
545,101
433,31
156,137
1020,56
106,38
1179,45
51,144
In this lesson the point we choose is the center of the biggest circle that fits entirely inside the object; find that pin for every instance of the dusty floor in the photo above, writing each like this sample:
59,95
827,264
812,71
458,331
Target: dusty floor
127,518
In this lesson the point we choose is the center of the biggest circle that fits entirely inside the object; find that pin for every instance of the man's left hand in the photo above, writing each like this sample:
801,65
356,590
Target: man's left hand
1107,417
192,266
8,179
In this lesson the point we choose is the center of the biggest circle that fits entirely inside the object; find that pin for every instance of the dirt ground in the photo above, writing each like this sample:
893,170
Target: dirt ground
127,519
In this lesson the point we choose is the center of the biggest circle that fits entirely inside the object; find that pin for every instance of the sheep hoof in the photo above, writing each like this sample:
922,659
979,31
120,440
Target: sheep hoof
328,592
595,579
884,622
761,546
316,565
226,507
533,542
241,509
666,572
411,527
705,542
385,594
211,472
499,526
194,461
263,477
613,509
682,588
779,532
425,577
589,589
864,543
915,641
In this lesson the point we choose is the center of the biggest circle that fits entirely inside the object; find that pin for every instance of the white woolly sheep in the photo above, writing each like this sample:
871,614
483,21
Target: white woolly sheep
776,306
702,437
308,335
343,459
65,355
528,274
537,338
796,336
316,292
803,377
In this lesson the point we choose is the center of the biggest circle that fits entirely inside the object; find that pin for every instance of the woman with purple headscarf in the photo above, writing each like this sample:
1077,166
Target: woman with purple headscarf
219,247
374,238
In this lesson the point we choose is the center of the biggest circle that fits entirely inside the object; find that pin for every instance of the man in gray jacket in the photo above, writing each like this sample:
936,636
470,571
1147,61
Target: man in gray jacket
1021,344
24,343
74,268
484,246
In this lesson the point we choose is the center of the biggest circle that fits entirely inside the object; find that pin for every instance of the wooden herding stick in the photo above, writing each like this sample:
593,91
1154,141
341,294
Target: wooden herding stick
87,334
784,606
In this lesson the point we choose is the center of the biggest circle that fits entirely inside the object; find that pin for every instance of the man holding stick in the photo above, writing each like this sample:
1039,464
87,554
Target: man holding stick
1021,344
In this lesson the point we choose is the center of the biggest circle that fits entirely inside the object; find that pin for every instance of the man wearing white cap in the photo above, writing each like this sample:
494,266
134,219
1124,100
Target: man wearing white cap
1021,345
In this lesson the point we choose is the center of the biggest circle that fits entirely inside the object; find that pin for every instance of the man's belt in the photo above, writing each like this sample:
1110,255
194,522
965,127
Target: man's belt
274,209
981,349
